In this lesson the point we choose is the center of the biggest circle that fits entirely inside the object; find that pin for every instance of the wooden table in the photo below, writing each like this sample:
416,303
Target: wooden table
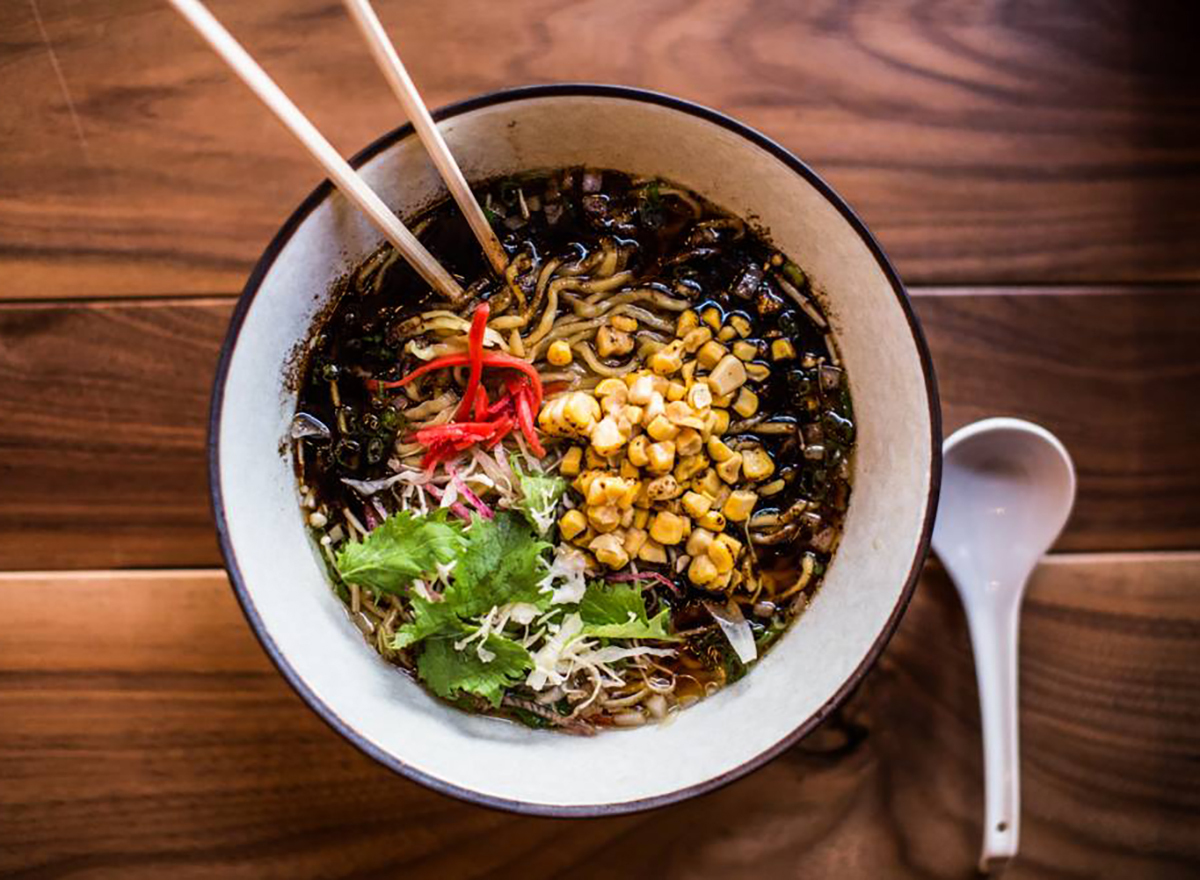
1033,168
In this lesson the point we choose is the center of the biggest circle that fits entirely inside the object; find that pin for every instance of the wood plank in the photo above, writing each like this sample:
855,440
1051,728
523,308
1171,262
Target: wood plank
984,142
150,735
106,406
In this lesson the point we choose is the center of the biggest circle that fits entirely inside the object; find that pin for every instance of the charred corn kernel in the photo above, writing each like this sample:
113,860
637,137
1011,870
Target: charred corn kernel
583,483
628,469
726,334
609,551
757,372
652,551
696,338
634,539
633,489
689,466
773,488
727,376
739,505
624,323
699,396
714,521
571,462
701,571
757,465
667,360
640,390
663,488
643,498
696,505
730,469
746,404
606,436
641,517
615,489
741,324
660,456
720,421
580,410
667,528
594,460
709,483
661,429
688,321
710,354
595,493
734,545
782,350
611,386
604,518
745,351
712,317
688,441
637,451
720,556
718,451
656,407
676,391
698,541
612,343
633,414
559,353
571,524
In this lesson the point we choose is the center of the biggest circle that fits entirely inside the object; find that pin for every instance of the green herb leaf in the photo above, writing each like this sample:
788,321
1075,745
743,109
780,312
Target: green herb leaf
450,673
502,563
617,611
403,547
539,495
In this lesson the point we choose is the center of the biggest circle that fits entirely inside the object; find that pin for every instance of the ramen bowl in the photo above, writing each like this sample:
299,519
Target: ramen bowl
277,571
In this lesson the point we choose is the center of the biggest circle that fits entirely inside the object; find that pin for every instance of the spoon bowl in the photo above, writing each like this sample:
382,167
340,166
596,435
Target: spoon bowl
1007,490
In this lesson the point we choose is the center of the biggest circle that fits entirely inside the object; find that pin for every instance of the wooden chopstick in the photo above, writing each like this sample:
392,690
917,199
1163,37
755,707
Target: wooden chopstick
414,107
343,176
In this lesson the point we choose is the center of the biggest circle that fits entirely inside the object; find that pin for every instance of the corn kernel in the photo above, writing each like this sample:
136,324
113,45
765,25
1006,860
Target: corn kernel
739,505
676,391
709,483
609,551
570,464
723,401
696,504
688,442
666,361
656,407
710,354
727,376
757,372
699,396
633,489
634,539
773,488
584,538
730,469
661,428
689,466
721,423
628,469
701,571
643,498
741,324
745,351
714,521
718,450
632,414
580,411
652,551
612,343
640,390
663,488
696,338
661,456
637,451
641,517
746,404
719,583
722,496
607,437
727,334
712,317
720,556
604,518
782,350
734,545
614,488
611,386
688,321
757,465
571,524
698,541
559,353
624,323
626,518
667,528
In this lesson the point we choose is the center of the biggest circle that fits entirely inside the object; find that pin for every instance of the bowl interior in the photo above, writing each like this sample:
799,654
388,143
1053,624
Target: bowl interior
277,570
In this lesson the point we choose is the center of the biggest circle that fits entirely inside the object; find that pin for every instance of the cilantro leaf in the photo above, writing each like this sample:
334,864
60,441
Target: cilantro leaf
617,611
539,495
502,563
403,547
450,673
429,618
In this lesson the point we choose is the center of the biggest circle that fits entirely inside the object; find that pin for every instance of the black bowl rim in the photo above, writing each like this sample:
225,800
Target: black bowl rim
326,713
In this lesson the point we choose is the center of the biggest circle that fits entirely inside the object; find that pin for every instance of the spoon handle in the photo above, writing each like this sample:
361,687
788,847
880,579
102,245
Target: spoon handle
994,630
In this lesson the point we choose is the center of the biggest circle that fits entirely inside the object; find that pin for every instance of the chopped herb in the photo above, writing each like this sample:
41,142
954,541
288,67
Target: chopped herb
402,548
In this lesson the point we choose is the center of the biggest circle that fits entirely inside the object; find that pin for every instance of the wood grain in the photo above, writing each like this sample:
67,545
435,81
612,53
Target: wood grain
106,405
149,735
1005,141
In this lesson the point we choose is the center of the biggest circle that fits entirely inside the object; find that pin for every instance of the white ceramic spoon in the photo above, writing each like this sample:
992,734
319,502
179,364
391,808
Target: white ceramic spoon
1007,490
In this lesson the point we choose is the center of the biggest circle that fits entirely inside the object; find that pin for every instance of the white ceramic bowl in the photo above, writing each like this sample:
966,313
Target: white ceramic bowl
275,568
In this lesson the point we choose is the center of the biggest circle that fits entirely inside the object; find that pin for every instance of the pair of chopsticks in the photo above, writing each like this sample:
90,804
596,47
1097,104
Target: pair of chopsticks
340,173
